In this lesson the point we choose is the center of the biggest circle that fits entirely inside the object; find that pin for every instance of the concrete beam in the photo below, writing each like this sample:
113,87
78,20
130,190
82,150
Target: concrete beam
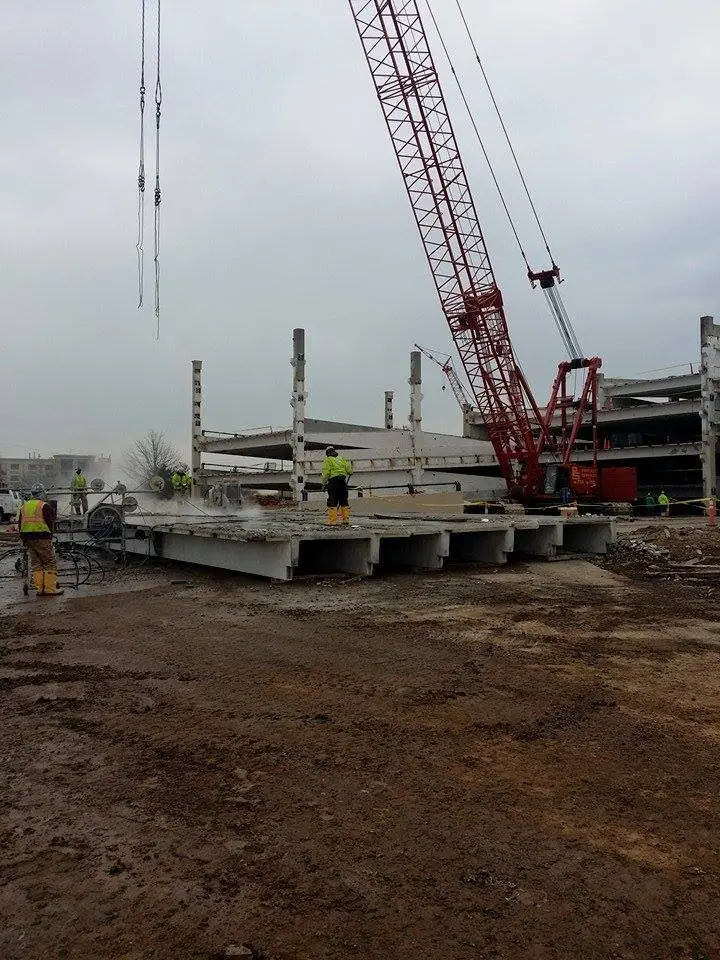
685,385
272,559
655,411
371,482
277,444
634,453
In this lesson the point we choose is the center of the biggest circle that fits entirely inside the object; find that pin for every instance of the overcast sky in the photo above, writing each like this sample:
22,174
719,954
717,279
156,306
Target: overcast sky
282,207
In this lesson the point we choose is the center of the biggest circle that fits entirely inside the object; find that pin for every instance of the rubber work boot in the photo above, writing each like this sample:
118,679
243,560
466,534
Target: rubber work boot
332,516
38,581
51,585
345,514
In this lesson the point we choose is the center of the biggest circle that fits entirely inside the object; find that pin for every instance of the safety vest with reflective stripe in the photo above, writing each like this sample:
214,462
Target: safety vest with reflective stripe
31,517
79,482
181,481
336,467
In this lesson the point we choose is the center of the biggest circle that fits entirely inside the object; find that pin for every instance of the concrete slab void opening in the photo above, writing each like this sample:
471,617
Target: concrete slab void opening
419,551
352,556
490,547
539,541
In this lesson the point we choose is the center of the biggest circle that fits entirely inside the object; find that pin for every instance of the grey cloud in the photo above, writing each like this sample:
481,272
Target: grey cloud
282,206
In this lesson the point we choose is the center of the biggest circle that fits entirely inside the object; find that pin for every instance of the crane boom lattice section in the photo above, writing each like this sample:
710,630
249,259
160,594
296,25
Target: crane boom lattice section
408,88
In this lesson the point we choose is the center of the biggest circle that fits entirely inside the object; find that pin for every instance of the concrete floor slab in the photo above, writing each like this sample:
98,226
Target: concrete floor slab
283,543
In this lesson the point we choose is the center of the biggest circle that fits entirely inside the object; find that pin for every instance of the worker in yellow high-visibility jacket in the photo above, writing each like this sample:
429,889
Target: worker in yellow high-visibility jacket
182,482
37,519
78,485
664,504
336,472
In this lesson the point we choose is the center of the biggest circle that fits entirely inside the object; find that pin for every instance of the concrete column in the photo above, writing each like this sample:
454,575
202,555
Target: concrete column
709,401
389,414
298,407
416,397
600,390
196,432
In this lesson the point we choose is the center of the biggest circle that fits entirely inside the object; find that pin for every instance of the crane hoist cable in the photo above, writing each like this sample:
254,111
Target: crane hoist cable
505,130
477,133
158,105
546,278
141,168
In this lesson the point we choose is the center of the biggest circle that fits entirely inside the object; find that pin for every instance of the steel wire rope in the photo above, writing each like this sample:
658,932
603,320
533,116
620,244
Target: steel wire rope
158,111
505,130
557,308
475,127
62,570
141,169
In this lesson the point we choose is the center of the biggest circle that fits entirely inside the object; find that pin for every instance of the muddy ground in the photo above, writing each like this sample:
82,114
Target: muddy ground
513,764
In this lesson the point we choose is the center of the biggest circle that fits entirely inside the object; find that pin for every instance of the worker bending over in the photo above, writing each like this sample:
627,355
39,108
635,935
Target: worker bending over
336,472
78,485
37,520
182,482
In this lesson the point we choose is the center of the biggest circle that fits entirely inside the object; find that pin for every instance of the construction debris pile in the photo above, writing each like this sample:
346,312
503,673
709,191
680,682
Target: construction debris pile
689,551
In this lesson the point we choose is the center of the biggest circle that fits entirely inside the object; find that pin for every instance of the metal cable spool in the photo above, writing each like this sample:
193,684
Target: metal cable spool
156,484
105,521
98,485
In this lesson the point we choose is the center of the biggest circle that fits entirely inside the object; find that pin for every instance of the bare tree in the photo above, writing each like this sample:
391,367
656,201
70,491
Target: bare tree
152,456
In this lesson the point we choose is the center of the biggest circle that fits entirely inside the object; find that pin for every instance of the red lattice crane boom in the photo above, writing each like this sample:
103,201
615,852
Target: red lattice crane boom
408,87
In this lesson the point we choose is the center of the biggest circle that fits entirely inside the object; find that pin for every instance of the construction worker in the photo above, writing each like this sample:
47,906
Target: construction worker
649,504
37,520
664,504
182,481
78,485
336,472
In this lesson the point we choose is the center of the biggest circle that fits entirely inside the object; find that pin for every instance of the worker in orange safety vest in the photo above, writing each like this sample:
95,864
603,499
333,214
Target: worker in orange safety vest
37,519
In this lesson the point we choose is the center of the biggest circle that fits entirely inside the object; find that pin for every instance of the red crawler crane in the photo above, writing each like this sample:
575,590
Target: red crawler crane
398,53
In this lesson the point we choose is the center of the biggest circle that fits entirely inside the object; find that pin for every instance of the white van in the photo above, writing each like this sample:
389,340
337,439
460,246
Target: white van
9,504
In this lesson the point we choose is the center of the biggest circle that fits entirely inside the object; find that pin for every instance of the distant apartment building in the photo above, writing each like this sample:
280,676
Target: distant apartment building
20,473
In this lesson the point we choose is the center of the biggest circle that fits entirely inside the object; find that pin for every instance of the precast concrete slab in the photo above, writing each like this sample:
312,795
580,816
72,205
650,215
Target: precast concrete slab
283,544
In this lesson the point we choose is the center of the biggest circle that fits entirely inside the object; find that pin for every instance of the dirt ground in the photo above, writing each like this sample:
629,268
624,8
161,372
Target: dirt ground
508,764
